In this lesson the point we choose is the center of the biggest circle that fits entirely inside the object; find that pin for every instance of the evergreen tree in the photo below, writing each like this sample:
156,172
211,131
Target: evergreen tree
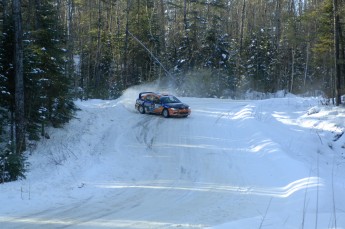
321,61
48,88
259,55
12,165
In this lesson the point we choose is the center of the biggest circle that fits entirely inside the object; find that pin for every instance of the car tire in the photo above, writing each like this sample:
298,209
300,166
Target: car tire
141,109
165,113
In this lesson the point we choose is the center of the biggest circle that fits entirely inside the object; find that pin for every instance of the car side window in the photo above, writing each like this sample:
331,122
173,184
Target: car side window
148,98
156,99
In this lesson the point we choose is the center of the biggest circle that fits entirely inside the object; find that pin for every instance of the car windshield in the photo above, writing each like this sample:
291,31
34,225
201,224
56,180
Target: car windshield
170,99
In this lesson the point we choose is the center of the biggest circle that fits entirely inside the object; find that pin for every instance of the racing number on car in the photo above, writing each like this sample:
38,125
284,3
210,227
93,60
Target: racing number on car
149,107
152,107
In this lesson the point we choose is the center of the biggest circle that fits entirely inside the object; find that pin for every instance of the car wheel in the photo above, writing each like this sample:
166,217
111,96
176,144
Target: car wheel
165,113
141,109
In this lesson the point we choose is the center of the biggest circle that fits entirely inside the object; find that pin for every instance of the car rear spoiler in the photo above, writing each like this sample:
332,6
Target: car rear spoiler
142,93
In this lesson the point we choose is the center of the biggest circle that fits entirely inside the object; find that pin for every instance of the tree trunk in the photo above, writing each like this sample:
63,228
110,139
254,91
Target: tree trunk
125,55
162,28
292,69
185,16
277,66
336,54
96,72
342,53
19,78
242,24
69,37
306,66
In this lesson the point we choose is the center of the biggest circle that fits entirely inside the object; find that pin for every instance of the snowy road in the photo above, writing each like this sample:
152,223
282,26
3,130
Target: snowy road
243,164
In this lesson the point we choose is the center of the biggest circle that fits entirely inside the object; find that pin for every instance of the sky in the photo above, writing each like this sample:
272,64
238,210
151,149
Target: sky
272,163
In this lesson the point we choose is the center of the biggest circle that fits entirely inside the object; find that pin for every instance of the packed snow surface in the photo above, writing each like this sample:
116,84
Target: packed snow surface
274,163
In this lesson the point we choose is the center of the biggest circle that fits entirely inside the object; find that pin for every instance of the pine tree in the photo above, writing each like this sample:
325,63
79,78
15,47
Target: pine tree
48,86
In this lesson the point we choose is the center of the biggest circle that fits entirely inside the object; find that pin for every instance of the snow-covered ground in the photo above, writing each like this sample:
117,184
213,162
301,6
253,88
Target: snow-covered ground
275,163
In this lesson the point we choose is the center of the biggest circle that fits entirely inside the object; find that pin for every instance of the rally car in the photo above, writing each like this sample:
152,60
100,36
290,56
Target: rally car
162,104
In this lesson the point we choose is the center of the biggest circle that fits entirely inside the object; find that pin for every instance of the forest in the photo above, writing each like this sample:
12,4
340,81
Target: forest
55,51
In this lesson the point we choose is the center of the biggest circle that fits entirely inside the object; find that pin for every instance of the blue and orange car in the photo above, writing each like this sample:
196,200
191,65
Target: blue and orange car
162,104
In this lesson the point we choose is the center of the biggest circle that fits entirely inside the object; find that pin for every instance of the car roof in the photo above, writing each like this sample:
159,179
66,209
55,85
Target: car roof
153,93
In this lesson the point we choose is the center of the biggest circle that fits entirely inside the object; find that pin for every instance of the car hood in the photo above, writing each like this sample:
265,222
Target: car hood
177,105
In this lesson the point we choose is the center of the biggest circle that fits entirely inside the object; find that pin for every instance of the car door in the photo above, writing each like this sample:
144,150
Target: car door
148,104
157,104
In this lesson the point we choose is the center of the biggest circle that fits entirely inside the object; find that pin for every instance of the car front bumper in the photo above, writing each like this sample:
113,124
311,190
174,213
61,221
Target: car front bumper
179,112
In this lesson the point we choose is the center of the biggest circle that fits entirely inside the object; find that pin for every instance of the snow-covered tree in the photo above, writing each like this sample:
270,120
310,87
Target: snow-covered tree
48,88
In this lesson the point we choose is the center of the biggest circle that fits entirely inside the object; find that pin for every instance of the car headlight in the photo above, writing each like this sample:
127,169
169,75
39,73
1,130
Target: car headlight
173,109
